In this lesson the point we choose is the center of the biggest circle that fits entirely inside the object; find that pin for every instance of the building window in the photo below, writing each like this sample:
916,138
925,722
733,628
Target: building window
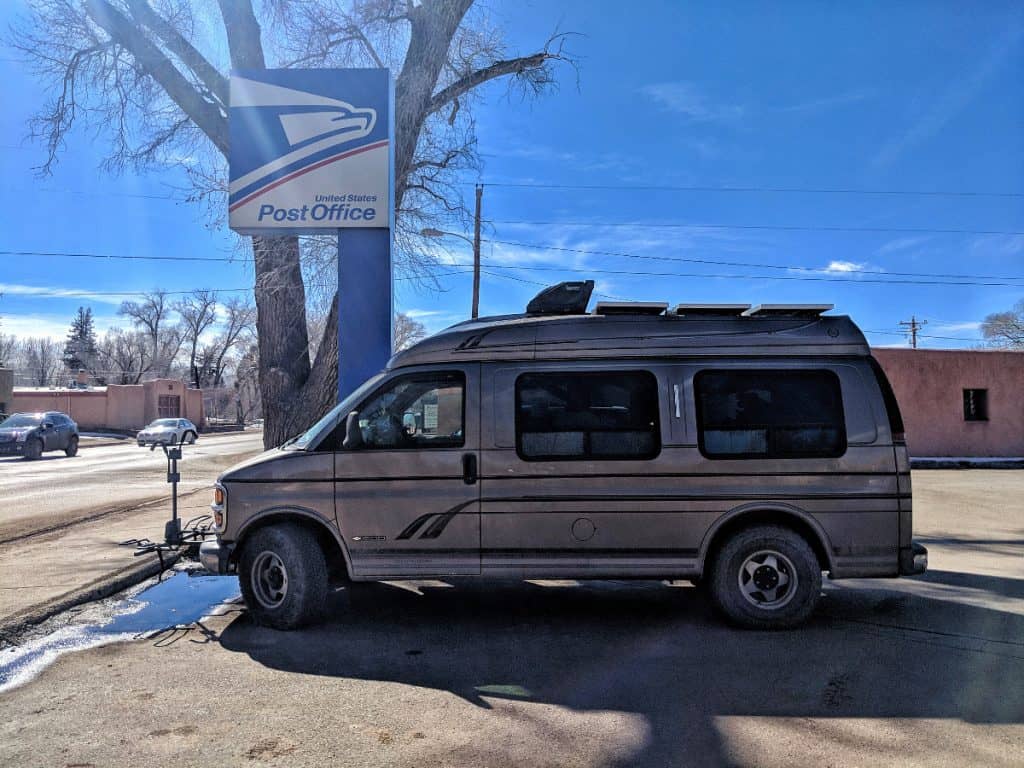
975,405
748,414
578,415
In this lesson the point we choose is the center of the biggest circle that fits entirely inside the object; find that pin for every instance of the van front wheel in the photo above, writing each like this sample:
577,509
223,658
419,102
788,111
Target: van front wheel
765,577
283,576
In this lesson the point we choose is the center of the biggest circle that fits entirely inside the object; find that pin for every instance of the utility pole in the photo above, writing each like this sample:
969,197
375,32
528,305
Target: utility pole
913,325
476,252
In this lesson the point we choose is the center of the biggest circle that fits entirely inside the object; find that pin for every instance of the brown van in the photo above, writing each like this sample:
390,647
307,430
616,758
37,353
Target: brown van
749,449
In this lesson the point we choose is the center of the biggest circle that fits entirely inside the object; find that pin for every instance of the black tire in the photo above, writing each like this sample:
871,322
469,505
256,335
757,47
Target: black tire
72,448
294,551
33,449
751,580
190,437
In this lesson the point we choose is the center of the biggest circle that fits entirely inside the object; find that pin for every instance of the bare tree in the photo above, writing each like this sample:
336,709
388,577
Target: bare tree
1005,329
153,316
42,358
8,349
137,71
198,312
125,355
407,331
239,326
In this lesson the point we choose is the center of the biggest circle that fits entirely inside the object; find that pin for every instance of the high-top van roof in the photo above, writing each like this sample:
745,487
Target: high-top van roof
648,331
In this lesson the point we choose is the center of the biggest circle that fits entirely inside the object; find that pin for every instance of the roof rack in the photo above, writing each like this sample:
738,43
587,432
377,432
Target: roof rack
717,310
788,310
630,307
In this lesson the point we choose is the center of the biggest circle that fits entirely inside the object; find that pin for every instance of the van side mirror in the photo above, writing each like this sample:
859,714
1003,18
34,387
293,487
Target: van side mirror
353,434
47,425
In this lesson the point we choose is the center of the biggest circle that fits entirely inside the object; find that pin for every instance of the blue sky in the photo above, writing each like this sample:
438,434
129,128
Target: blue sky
908,97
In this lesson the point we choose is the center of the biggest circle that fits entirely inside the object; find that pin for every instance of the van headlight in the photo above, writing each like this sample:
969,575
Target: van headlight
219,507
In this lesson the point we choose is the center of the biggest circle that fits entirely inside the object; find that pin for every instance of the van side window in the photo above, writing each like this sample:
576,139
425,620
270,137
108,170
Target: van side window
611,415
746,414
418,411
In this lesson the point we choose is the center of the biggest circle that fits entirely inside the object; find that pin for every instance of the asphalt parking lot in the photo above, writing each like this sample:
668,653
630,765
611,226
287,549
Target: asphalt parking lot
924,671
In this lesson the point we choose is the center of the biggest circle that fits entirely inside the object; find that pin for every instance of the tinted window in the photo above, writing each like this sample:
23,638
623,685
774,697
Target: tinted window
419,411
769,414
587,415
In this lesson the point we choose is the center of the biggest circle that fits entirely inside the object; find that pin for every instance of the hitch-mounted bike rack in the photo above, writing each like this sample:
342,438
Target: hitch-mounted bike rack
176,536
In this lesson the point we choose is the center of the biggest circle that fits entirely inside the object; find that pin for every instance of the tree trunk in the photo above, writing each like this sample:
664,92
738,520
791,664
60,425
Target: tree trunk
283,339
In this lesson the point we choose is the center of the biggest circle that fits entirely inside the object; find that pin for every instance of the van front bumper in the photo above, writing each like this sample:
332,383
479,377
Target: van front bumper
215,556
913,560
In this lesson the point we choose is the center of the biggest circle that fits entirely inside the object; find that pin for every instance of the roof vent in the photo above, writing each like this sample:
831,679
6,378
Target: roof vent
570,298
716,310
630,307
787,310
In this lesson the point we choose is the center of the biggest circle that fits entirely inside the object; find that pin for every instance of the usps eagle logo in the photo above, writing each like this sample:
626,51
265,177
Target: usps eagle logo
304,160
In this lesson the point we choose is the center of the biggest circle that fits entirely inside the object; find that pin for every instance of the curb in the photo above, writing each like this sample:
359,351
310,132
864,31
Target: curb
104,586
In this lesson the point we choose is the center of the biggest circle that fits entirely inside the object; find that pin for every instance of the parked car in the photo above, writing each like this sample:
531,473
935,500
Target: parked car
747,449
31,434
168,432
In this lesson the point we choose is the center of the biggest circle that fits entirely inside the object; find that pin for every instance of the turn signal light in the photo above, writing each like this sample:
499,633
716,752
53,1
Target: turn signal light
218,496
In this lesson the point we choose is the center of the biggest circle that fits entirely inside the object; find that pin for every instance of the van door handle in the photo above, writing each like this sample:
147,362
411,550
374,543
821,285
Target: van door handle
469,468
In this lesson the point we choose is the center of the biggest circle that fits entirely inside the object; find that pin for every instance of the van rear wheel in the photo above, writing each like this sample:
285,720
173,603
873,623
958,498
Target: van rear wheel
766,577
283,576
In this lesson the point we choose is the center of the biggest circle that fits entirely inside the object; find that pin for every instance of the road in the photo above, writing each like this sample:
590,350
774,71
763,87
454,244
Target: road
56,489
924,671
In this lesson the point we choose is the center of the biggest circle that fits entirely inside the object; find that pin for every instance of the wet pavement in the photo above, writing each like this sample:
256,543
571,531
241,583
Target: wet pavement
177,599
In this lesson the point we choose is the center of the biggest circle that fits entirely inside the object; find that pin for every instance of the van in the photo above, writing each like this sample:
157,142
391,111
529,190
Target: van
746,449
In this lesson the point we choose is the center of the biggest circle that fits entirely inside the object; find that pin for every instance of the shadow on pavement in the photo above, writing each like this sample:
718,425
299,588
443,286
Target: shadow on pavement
657,651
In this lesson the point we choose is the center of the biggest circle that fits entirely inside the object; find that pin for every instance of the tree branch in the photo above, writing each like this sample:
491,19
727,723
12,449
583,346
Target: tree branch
182,48
153,61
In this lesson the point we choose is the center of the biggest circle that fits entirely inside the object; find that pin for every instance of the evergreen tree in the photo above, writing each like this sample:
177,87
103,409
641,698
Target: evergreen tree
80,349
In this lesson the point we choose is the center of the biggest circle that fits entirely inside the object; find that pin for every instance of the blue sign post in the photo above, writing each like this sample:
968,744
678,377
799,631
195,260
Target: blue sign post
311,153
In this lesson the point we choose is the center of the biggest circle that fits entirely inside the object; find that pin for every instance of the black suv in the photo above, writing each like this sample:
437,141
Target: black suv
29,434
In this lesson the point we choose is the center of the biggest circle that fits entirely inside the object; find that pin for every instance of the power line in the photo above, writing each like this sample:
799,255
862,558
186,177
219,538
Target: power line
768,227
637,273
718,262
752,189
926,336
126,257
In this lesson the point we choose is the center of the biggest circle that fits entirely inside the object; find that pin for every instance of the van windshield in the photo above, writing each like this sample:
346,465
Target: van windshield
335,415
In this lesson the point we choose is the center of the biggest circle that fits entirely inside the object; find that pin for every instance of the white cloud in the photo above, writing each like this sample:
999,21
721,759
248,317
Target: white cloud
902,244
999,246
45,291
844,267
417,314
967,325
826,102
685,98
52,325
952,100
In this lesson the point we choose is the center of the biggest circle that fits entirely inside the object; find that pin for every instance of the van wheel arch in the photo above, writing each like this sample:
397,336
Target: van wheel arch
747,517
333,549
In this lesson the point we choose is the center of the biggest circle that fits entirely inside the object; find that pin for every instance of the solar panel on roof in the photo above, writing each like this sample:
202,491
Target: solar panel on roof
630,307
717,310
789,310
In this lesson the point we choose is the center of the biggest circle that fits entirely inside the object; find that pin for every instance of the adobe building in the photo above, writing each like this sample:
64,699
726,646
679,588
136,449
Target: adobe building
116,406
955,402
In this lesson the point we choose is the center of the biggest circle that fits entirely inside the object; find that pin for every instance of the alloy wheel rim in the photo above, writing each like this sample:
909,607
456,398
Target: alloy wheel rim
767,579
269,580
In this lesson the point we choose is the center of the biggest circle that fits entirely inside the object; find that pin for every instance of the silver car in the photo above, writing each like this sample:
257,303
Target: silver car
168,432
